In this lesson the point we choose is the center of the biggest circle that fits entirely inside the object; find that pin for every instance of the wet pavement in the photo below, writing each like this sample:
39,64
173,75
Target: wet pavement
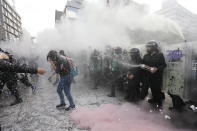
38,111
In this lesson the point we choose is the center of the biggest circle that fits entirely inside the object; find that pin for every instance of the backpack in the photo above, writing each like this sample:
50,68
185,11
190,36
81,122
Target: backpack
73,69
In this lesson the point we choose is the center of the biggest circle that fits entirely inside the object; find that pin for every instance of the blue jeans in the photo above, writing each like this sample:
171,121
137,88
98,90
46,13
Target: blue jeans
65,85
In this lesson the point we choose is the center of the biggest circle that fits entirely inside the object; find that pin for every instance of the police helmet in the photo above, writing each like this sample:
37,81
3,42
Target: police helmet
134,51
118,50
152,44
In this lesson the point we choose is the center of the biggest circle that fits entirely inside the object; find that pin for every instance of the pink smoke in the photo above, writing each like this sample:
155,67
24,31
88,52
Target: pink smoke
124,117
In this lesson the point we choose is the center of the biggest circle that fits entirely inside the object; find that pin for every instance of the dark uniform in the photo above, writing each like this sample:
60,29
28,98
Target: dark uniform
6,66
135,72
8,76
107,64
116,71
23,77
10,80
96,63
154,80
123,81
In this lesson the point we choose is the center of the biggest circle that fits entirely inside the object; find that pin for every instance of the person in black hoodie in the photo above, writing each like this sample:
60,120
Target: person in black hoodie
62,67
134,76
8,74
154,62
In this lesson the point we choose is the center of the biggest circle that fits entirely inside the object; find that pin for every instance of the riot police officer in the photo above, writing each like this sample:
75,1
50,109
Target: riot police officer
8,74
23,77
107,61
116,70
154,62
134,76
96,63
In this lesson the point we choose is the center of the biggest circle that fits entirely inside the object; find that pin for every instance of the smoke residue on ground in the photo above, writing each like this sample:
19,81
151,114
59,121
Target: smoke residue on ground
124,117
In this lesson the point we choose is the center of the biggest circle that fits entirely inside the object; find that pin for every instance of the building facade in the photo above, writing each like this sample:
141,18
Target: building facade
58,16
70,11
72,8
183,17
10,22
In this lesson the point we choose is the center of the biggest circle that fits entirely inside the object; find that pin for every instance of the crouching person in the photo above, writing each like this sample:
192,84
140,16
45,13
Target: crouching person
62,67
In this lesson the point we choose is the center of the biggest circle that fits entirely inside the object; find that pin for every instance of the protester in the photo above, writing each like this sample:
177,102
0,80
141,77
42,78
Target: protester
62,68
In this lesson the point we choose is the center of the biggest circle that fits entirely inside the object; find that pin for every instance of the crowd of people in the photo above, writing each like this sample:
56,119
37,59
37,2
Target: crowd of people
15,71
127,70
116,67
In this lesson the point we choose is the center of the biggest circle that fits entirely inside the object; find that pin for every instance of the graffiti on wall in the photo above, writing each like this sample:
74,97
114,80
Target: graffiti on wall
174,55
175,78
175,71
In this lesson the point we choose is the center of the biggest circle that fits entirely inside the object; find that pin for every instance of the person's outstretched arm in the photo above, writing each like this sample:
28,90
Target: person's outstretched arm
7,66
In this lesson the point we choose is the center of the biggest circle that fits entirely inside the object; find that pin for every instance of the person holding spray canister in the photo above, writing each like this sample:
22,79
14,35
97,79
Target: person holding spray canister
154,64
8,74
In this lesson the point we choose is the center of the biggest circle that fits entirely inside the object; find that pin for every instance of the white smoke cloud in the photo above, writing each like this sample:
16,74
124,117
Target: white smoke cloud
97,26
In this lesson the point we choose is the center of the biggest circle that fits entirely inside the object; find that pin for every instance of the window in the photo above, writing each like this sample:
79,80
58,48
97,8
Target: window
12,30
8,21
18,18
4,26
3,18
8,35
11,36
3,10
12,24
8,27
14,14
18,23
15,26
10,16
16,32
4,4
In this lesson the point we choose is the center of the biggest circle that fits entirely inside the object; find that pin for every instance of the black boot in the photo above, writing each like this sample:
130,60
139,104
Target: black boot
111,95
152,101
17,96
60,105
127,97
17,101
